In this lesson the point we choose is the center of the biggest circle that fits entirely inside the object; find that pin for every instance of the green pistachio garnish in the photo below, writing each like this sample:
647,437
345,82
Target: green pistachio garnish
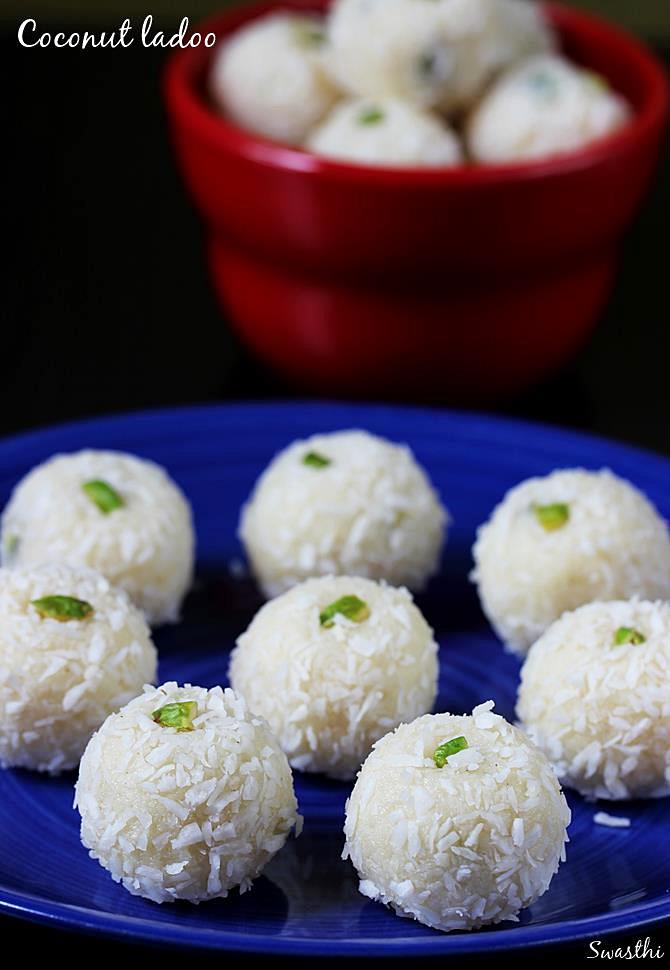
62,608
445,751
11,544
426,65
596,80
371,116
552,517
543,84
350,606
314,460
309,34
628,634
103,495
178,715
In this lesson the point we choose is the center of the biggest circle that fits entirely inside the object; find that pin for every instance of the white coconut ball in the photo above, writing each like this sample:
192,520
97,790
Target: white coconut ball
331,682
268,77
433,53
463,845
558,542
348,503
186,811
385,132
595,696
543,107
65,664
120,515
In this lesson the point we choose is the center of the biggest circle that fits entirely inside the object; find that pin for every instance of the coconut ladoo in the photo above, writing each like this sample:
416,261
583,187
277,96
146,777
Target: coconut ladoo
120,515
347,503
456,821
333,665
184,794
595,697
385,131
72,650
435,55
542,107
570,538
269,76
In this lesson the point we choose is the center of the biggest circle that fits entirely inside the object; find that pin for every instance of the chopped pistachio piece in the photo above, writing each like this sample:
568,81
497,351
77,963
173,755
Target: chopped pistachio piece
596,80
103,495
426,65
309,34
314,460
544,84
552,517
178,715
370,116
11,544
62,608
350,606
445,751
628,634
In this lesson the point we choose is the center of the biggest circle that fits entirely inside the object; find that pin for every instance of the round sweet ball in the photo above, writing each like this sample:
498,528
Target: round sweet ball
72,650
385,132
333,665
118,514
435,55
268,77
594,695
347,503
184,794
558,542
456,821
543,107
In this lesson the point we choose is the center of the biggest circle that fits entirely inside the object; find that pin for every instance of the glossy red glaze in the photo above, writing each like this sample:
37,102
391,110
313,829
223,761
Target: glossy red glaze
462,283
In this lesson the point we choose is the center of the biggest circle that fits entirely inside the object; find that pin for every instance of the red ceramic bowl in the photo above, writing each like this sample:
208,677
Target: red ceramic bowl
465,283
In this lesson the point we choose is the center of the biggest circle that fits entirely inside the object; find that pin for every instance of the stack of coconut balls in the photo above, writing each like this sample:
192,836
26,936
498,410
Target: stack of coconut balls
414,83
455,820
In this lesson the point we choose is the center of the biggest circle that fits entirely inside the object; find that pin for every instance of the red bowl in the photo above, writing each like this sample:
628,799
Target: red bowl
464,283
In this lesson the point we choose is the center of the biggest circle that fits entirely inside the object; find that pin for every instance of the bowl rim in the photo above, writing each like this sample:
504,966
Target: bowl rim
191,109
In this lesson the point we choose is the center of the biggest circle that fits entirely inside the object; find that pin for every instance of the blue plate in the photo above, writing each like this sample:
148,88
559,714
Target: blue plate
307,902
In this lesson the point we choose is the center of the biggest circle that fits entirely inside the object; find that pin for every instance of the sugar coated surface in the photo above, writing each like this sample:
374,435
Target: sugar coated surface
60,680
370,512
601,710
461,846
146,546
330,693
613,545
185,814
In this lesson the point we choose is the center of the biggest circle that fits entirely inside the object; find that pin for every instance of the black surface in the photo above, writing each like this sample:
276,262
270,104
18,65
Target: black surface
61,945
106,305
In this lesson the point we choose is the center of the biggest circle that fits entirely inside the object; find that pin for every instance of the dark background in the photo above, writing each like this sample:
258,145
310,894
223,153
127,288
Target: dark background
106,305
106,302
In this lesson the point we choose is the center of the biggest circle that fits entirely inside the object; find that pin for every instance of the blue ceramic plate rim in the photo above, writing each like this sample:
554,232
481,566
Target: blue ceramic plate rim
38,909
